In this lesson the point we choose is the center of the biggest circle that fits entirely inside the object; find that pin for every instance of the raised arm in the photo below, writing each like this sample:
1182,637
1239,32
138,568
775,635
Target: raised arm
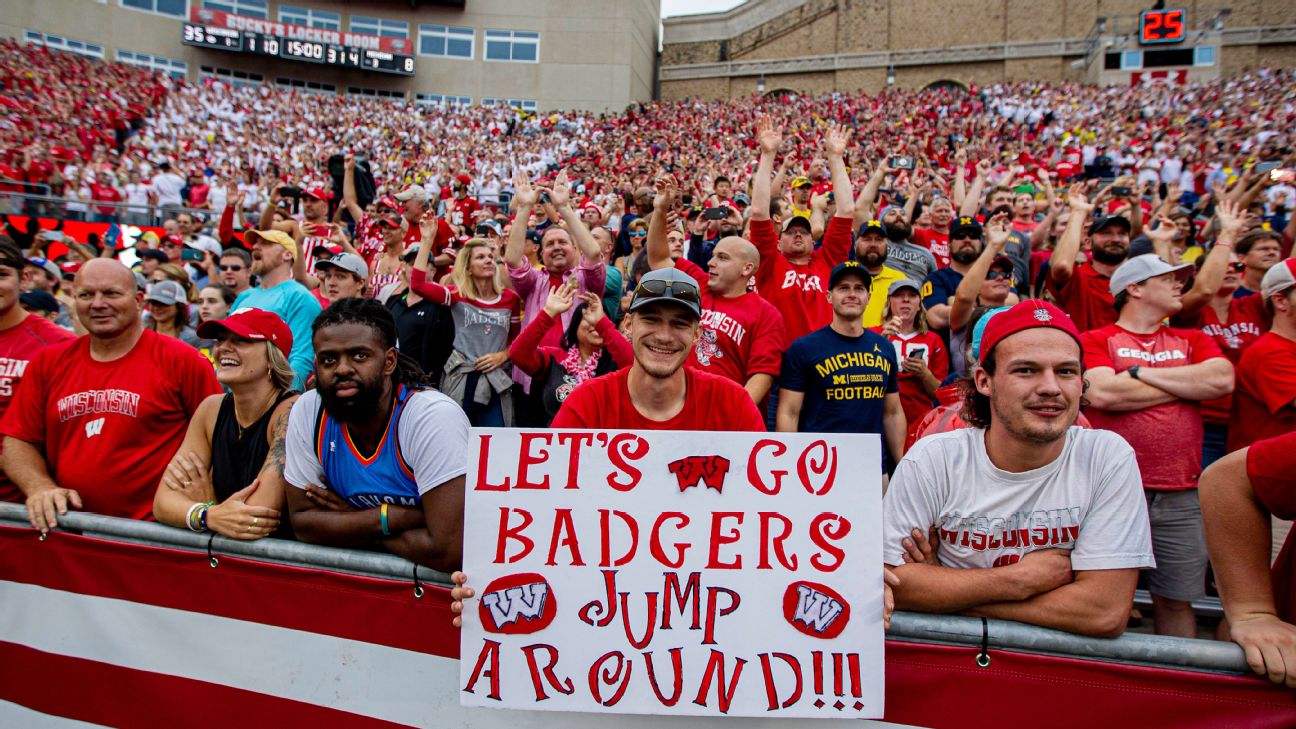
959,193
769,139
865,203
524,198
349,197
835,144
525,350
580,233
656,248
418,276
997,231
972,201
1062,263
1232,219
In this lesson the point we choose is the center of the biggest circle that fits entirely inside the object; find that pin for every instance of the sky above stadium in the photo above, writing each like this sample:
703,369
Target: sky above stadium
693,7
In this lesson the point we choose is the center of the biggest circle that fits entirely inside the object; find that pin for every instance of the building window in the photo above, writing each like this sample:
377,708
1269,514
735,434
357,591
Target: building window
445,41
377,93
442,101
247,8
174,8
1131,60
59,43
231,77
310,87
169,66
523,104
379,26
1204,56
310,17
512,45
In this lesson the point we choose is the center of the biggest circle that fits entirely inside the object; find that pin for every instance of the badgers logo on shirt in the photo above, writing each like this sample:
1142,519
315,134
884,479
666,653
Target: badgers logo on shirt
94,427
706,347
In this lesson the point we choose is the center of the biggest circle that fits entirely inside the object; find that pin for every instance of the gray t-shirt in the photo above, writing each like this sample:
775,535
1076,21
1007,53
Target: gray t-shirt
1089,499
914,261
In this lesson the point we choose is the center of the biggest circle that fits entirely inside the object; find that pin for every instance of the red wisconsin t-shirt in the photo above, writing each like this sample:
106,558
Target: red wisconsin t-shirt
740,336
1247,320
1086,298
1266,389
934,241
110,428
18,346
711,402
799,292
1271,466
1166,438
460,212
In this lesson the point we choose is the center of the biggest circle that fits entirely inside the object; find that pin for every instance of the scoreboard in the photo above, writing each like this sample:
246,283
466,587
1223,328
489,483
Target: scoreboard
296,49
1162,26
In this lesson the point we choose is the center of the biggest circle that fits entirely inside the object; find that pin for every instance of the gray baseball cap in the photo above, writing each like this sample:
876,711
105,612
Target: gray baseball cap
904,283
167,293
668,284
1141,268
347,262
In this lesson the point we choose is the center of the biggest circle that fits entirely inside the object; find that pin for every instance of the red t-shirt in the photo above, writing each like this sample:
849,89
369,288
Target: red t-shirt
18,346
1166,438
1271,467
913,396
460,212
1266,389
1247,320
105,193
1085,297
799,292
934,241
740,336
109,429
711,402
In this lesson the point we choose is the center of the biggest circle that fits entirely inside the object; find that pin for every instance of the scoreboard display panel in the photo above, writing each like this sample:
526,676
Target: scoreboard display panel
1162,26
296,49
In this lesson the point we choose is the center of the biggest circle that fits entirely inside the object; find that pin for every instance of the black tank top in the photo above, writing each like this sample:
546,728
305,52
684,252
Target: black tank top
236,461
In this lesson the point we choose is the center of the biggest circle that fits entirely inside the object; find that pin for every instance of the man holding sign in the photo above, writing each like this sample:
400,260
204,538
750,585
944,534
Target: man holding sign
1032,518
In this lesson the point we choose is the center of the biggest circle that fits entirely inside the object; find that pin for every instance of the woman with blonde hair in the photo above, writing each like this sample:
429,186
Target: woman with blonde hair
486,317
226,477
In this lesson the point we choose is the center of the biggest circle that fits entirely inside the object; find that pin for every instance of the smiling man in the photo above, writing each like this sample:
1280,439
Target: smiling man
658,392
273,253
1146,383
1033,519
375,458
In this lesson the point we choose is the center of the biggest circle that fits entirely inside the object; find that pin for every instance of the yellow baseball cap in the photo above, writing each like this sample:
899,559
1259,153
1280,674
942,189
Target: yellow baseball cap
276,237
802,182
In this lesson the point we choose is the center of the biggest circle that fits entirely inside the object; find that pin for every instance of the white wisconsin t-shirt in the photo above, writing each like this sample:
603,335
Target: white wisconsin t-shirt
1090,500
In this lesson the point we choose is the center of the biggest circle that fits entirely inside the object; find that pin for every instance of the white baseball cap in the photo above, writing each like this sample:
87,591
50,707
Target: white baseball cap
1141,268
1280,277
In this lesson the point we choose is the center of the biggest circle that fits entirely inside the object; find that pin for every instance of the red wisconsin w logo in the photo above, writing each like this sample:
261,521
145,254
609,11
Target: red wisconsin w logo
710,470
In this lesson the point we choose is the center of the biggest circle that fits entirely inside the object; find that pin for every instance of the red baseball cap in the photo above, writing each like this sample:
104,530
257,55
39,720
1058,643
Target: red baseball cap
318,193
1029,314
387,201
257,325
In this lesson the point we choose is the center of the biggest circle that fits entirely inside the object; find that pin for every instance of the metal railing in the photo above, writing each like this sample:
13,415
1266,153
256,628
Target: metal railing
54,206
1151,650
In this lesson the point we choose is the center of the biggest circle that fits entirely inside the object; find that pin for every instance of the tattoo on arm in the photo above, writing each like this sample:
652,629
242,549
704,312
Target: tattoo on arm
278,451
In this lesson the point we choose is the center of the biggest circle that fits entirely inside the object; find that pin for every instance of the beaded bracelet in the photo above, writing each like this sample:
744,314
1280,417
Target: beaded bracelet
192,519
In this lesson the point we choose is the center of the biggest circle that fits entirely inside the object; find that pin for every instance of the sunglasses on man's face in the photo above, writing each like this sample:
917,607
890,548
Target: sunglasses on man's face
965,236
1237,266
994,275
678,290
232,268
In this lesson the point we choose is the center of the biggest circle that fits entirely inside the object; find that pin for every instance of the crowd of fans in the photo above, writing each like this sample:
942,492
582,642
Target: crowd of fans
956,272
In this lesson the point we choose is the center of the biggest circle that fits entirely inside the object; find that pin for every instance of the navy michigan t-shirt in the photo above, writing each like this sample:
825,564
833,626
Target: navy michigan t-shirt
843,380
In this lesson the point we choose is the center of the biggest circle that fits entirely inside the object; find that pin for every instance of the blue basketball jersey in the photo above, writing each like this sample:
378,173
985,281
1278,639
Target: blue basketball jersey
366,483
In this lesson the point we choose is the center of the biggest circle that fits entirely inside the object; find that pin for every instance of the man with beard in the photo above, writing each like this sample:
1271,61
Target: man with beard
914,261
234,269
375,457
311,227
1146,383
936,239
1083,290
742,334
1031,518
872,252
939,287
273,252
658,392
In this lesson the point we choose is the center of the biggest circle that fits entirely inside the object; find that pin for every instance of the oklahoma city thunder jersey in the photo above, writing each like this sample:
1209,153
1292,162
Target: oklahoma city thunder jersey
367,482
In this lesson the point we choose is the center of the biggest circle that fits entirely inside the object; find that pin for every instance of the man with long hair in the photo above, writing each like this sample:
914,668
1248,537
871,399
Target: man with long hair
1030,518
373,456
